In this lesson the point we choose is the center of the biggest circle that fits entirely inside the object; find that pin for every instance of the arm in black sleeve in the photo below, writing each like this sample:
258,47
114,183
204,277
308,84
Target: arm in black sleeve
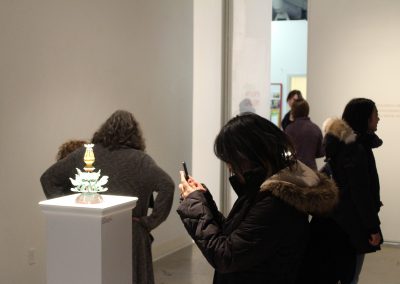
160,182
218,216
253,240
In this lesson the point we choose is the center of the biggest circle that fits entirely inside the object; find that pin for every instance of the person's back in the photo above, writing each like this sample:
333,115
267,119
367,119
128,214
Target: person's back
305,135
129,170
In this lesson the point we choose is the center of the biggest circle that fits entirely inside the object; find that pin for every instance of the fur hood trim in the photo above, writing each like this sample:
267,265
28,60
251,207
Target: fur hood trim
340,129
306,190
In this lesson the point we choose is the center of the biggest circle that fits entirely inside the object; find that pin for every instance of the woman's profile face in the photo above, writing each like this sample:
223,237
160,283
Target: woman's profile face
373,120
292,100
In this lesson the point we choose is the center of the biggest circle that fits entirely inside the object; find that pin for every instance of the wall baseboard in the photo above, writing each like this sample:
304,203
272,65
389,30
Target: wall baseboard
392,244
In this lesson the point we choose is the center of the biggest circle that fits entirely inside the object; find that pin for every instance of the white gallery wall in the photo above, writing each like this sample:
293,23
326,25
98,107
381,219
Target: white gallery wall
208,18
353,51
231,59
250,55
65,66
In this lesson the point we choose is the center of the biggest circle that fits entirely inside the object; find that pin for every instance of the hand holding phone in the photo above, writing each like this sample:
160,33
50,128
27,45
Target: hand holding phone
185,170
188,186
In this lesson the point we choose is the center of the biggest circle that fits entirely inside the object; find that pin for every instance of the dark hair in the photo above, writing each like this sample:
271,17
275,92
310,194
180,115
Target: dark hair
293,93
357,114
249,141
300,108
68,147
120,129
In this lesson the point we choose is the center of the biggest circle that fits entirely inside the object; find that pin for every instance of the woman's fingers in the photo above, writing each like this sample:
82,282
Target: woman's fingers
183,180
188,186
184,186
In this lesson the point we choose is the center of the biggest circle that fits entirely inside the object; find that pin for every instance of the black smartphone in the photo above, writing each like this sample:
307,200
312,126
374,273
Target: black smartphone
185,170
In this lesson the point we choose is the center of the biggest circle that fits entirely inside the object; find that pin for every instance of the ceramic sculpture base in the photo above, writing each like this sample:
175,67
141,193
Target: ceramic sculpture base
89,198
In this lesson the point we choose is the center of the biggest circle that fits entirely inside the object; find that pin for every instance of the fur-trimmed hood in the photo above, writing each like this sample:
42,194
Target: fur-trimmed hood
339,129
337,135
301,187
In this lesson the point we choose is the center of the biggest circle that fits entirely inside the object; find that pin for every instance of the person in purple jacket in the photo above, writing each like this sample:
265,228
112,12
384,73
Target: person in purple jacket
305,135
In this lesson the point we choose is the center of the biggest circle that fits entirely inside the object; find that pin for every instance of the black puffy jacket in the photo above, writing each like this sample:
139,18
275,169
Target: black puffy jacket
264,236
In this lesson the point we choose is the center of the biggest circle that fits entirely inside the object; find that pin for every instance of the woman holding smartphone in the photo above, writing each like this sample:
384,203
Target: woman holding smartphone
264,237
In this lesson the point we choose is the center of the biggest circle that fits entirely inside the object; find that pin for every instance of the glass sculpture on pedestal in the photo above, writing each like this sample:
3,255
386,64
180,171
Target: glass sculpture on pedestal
88,182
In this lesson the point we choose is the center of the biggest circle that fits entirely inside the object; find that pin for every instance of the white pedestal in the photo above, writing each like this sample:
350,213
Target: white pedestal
89,243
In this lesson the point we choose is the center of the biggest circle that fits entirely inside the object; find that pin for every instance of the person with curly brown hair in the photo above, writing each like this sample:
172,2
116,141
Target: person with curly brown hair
68,147
120,154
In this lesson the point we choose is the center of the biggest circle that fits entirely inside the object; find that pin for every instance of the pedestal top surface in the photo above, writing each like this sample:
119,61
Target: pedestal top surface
68,203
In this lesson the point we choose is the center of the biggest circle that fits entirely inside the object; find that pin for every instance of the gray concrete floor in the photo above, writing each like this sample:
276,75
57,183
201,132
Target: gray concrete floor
382,267
188,266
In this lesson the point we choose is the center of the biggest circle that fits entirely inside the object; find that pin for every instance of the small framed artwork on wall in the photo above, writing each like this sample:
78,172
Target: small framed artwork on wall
276,103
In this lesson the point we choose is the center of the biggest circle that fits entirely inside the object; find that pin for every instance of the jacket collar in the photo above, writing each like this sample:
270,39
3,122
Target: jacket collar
370,140
301,187
253,179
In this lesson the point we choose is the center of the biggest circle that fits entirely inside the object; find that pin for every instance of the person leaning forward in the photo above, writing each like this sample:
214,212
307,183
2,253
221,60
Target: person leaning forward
120,154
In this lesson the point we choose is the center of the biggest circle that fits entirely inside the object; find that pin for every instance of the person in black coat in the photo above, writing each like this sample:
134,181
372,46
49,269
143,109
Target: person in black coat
340,241
263,238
